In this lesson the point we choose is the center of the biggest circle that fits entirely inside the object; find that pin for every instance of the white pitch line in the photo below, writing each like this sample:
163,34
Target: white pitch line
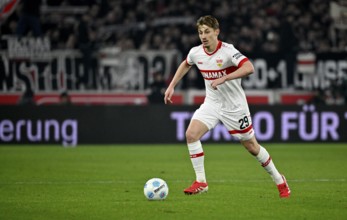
319,180
105,182
289,180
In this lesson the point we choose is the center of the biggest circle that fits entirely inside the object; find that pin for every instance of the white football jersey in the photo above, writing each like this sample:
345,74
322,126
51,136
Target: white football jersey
223,61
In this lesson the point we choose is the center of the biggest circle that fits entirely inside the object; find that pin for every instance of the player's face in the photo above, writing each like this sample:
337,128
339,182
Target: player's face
208,37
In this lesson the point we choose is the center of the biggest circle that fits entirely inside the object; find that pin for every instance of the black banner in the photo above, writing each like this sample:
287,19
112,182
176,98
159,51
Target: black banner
132,70
69,70
73,125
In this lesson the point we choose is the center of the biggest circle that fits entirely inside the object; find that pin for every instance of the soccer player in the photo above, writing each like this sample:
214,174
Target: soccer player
222,67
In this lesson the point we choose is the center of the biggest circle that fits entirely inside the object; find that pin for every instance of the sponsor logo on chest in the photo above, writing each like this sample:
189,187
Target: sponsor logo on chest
211,74
214,74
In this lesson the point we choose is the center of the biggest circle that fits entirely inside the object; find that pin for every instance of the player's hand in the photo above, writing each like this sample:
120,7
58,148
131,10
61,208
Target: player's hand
217,82
168,95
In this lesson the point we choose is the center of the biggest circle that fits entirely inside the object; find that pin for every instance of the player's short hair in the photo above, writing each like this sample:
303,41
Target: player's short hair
209,21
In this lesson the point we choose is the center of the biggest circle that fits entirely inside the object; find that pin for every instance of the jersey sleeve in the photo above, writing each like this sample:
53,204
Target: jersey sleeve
189,59
237,57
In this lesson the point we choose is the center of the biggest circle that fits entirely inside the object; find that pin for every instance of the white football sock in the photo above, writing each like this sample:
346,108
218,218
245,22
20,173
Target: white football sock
197,157
264,158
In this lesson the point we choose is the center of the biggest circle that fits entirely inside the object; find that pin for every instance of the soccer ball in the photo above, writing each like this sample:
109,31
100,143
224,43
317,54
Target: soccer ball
156,189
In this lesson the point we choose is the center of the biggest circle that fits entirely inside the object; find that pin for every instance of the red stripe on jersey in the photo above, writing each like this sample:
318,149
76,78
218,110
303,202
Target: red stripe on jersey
266,163
215,74
197,155
241,131
219,45
242,62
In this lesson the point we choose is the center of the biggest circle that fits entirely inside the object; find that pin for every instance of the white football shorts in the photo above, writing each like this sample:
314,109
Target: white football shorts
239,123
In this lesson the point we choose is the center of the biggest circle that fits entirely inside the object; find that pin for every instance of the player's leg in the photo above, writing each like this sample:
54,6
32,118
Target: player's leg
202,121
195,131
240,126
264,158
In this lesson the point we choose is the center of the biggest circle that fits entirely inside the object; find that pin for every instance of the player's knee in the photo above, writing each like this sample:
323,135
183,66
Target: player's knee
191,136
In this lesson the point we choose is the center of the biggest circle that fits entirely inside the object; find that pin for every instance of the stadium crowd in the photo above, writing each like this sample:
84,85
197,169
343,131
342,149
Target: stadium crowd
252,25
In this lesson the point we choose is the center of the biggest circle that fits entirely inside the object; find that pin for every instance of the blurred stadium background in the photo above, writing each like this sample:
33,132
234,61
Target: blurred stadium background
115,58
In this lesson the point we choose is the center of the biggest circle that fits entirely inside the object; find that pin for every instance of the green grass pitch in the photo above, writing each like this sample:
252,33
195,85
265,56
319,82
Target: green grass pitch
106,182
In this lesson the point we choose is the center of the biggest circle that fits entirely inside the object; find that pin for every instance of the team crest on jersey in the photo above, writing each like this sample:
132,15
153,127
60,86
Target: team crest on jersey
219,62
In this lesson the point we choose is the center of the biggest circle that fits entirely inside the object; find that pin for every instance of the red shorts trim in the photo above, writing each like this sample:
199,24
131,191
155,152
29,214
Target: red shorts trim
241,131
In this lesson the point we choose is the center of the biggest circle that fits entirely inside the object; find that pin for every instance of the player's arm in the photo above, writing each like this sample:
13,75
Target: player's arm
245,69
182,70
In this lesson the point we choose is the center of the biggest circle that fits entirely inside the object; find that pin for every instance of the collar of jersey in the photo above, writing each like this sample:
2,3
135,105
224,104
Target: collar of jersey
219,45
